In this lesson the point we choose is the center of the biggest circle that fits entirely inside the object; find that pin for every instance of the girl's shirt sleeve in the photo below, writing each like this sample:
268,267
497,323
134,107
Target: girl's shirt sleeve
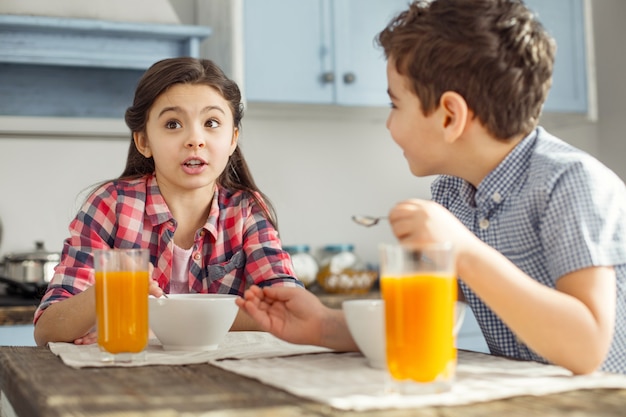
92,228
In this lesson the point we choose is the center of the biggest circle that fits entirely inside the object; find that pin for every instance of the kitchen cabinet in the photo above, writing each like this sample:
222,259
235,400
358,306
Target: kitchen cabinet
69,67
17,335
322,51
565,20
316,51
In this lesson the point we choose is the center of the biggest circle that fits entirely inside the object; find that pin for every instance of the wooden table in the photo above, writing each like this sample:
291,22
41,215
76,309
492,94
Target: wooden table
37,383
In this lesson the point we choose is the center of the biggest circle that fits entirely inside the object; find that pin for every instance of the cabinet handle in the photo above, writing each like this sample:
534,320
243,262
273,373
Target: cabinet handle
349,77
328,77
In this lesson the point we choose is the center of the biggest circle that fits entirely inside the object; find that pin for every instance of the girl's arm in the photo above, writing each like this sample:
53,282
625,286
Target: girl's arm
67,320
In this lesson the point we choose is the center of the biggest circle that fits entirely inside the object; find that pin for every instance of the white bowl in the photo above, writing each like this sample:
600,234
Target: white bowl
366,322
192,321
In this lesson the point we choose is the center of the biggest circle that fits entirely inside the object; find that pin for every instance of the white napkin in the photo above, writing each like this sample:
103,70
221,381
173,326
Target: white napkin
237,345
344,381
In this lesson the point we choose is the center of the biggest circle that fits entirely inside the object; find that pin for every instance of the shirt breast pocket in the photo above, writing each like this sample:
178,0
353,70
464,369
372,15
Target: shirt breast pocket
229,272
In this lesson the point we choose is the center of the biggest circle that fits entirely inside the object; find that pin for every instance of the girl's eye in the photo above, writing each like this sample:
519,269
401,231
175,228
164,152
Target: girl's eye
212,123
172,124
393,106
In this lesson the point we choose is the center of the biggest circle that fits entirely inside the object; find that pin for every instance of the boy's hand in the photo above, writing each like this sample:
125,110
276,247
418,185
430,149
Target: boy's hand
291,314
416,222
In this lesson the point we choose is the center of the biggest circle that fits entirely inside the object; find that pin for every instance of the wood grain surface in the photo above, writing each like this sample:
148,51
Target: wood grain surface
37,383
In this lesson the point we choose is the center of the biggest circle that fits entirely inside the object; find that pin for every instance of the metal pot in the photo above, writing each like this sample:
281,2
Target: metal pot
36,267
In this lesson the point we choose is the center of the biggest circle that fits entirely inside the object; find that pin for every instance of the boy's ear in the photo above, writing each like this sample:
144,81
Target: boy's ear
142,144
455,112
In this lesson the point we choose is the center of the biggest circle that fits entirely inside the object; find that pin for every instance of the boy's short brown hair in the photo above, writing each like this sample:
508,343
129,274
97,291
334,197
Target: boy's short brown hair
492,52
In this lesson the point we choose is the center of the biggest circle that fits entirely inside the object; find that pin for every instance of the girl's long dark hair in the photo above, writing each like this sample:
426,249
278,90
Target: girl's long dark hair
157,79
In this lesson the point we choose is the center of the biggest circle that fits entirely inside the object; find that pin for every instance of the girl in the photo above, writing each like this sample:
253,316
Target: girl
186,194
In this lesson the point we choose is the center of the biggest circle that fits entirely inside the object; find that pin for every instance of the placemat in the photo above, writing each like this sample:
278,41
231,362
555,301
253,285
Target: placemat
239,345
344,381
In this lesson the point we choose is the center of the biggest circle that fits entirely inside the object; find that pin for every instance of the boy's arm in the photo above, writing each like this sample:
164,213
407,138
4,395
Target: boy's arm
571,326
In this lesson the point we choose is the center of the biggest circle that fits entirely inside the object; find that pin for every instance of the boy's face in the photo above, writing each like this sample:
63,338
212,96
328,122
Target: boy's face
419,136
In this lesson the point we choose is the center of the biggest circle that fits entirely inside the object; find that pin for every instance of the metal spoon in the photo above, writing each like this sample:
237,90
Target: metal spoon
367,221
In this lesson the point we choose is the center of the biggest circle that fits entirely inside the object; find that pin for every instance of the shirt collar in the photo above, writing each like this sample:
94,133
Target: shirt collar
499,183
156,207
214,213
158,212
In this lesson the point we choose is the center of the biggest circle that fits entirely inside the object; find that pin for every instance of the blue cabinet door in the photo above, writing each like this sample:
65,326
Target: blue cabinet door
360,65
323,51
287,51
564,20
316,51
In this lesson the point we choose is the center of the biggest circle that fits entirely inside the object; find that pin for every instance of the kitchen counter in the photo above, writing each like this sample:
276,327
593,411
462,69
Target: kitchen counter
17,310
12,315
335,300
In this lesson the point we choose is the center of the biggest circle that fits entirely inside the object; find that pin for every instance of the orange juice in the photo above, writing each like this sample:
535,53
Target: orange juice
419,322
122,310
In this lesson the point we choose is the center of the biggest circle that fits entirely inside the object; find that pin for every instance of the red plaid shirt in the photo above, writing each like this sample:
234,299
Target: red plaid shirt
235,248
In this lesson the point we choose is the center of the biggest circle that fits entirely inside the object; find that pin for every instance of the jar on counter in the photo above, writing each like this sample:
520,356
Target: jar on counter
342,272
304,264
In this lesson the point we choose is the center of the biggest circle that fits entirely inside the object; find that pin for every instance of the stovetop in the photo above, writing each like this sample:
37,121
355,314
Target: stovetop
17,301
10,297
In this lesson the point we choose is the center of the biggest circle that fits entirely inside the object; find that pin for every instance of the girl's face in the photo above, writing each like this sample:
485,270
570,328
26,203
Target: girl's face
420,137
190,135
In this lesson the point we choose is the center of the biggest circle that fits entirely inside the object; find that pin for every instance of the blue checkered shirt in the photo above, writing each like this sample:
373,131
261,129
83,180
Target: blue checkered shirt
551,209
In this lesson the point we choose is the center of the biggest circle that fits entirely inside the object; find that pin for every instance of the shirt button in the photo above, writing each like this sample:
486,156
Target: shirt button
202,232
197,256
483,224
496,197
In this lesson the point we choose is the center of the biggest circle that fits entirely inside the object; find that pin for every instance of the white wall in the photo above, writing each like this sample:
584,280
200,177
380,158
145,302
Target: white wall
610,35
318,168
319,165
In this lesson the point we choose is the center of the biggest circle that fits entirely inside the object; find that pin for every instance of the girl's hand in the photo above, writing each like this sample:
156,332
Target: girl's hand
88,338
155,290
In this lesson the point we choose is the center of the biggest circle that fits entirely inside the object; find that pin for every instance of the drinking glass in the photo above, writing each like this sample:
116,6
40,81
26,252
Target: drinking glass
419,287
122,287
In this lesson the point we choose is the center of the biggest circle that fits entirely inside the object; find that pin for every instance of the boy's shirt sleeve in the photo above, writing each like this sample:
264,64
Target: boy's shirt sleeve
584,223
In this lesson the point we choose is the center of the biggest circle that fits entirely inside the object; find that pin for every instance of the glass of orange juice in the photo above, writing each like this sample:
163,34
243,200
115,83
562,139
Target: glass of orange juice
122,286
419,287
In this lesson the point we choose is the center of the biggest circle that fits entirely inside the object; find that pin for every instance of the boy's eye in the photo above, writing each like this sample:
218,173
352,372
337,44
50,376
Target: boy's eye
393,106
212,123
172,124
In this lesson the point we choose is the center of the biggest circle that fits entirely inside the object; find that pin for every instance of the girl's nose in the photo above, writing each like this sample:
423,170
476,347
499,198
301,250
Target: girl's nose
195,140
195,144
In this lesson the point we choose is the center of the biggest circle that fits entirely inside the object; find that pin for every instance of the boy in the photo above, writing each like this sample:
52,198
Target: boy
539,226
